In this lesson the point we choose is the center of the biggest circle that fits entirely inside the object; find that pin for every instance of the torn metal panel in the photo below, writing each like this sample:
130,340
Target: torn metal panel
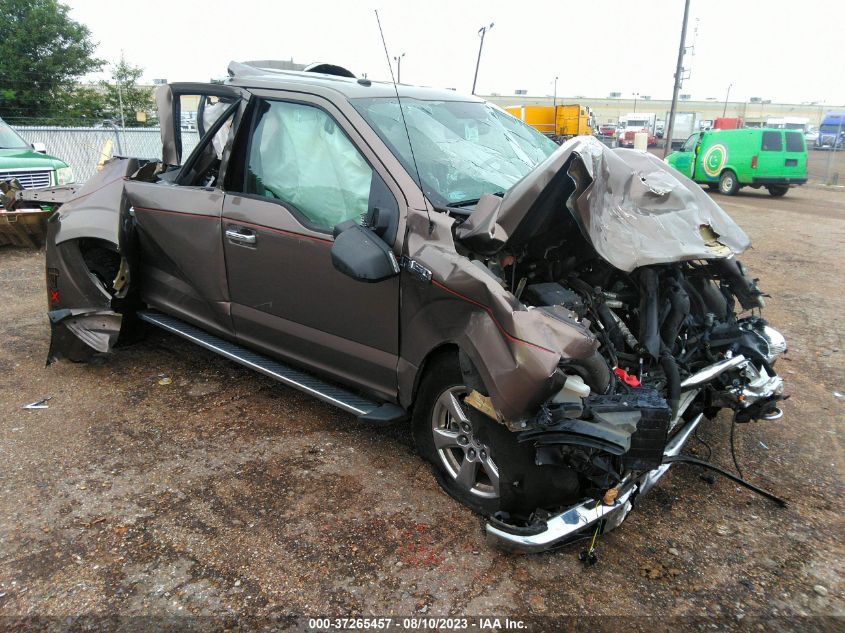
634,209
171,143
98,329
95,210
481,231
515,349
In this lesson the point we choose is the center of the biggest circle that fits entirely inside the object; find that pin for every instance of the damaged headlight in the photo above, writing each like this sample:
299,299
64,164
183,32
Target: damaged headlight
64,176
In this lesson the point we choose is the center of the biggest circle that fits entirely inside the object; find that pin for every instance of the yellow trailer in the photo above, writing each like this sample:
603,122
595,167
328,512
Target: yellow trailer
557,122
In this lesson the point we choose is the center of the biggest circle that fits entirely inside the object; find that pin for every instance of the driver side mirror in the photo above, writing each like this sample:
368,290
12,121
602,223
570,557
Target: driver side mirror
39,147
361,254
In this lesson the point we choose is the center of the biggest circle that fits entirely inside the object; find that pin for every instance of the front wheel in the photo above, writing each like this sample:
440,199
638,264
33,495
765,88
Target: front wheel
446,437
728,184
777,190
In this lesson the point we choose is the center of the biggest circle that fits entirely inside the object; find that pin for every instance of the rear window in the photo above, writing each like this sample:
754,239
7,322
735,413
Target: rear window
772,142
794,142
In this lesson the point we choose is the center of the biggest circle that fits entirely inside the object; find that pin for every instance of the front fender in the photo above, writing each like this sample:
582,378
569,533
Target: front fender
516,350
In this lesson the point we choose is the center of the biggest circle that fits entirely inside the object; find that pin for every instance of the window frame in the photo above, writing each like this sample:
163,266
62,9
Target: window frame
187,165
245,150
697,137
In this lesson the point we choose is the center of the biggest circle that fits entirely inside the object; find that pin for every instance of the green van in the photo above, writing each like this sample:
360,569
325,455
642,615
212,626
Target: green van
752,157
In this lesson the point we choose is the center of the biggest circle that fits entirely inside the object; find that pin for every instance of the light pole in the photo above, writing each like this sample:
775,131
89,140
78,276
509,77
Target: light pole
554,98
728,94
398,61
481,32
679,69
636,94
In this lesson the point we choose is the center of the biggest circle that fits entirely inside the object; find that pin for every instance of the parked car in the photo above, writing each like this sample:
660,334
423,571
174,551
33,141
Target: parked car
439,262
728,160
29,163
811,136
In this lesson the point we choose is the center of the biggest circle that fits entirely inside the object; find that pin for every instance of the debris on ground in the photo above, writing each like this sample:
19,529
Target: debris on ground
38,404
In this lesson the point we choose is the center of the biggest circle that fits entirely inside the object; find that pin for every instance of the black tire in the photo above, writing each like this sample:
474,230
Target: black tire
728,184
441,376
778,190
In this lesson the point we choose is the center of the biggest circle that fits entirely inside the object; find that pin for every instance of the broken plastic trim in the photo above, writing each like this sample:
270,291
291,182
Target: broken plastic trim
564,526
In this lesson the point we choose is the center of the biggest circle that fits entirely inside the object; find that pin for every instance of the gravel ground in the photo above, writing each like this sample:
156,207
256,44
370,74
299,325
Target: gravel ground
224,494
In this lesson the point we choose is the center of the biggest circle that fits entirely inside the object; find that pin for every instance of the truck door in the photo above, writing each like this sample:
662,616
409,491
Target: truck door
770,163
177,211
303,170
795,155
687,156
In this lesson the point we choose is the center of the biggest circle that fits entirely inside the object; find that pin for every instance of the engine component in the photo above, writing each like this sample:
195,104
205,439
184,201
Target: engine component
550,294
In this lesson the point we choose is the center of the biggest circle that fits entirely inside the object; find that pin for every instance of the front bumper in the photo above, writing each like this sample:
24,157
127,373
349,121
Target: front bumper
563,527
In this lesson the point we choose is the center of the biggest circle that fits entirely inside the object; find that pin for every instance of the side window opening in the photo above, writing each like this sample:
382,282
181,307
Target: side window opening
195,129
772,142
690,143
299,156
203,166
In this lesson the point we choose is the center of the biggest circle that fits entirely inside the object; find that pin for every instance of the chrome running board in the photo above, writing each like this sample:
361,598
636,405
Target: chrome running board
367,410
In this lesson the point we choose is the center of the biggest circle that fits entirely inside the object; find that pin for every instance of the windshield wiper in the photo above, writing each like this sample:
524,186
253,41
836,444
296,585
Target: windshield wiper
471,201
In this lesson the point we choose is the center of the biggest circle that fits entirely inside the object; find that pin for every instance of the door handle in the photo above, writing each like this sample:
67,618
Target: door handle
241,235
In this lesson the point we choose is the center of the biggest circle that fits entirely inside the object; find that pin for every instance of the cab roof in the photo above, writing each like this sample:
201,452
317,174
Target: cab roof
249,76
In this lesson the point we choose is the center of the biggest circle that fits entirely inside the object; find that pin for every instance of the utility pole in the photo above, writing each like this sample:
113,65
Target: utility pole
120,96
554,98
725,109
679,69
398,61
636,94
481,32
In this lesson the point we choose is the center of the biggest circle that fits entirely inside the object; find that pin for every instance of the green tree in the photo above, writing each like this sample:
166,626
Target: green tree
42,53
82,105
122,93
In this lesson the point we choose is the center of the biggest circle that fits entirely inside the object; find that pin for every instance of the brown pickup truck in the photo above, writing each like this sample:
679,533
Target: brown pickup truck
554,322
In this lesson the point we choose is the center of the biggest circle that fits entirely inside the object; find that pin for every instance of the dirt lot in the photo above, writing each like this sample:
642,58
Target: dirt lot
224,494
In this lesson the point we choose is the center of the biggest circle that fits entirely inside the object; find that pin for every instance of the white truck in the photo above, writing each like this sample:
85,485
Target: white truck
634,122
685,124
789,122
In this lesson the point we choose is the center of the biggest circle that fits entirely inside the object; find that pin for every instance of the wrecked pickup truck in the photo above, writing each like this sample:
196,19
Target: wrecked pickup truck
554,322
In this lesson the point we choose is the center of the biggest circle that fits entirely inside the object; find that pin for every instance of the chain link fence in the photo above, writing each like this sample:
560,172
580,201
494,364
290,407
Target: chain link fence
83,148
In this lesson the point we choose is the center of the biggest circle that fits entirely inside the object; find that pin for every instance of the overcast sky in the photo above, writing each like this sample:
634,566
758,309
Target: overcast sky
773,49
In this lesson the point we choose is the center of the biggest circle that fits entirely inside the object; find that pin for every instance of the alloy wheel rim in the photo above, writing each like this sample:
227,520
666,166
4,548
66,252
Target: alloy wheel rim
464,457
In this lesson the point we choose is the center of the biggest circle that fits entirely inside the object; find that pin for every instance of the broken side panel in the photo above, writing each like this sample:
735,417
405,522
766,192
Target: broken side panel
88,268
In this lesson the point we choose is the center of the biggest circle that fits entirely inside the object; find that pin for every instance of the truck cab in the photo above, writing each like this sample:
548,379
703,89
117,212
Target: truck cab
831,131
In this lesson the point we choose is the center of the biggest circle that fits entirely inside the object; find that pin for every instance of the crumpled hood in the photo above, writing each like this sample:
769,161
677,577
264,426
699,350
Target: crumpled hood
633,208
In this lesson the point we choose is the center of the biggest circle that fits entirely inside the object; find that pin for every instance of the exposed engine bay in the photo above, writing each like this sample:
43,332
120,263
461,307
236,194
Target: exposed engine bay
678,341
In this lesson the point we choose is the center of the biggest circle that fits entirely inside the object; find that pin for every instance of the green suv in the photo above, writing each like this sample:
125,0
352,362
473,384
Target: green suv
29,164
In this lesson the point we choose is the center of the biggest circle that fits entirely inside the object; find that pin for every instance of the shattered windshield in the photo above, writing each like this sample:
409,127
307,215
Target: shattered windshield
9,139
462,149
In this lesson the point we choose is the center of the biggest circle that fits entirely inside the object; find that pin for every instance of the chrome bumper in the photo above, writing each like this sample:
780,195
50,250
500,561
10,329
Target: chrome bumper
577,519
